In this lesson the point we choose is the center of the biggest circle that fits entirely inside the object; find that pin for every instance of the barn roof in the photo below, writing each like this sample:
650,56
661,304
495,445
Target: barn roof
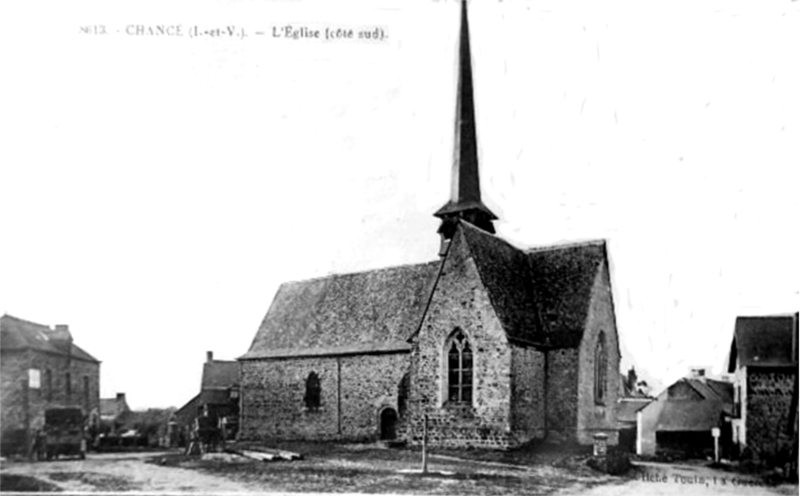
19,334
690,415
763,340
373,311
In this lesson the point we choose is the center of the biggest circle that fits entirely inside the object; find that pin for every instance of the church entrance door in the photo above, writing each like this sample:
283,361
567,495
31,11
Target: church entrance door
388,424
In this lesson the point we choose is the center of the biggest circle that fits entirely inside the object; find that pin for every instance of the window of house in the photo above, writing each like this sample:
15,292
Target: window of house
48,384
34,379
601,366
459,368
402,396
68,384
312,397
86,392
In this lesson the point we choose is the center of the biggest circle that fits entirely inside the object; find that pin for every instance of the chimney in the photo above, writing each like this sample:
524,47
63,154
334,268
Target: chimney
698,373
209,356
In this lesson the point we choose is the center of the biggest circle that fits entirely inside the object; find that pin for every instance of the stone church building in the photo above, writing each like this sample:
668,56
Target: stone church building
490,345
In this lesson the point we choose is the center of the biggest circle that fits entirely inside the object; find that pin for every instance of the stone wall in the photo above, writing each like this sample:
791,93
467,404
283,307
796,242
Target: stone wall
594,417
353,391
23,407
769,398
562,395
461,301
527,392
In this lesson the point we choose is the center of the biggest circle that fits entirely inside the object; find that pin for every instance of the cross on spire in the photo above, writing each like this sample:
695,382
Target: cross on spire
465,195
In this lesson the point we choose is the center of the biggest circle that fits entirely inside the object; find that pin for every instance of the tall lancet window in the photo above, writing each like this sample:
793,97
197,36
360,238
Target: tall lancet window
459,368
312,397
600,369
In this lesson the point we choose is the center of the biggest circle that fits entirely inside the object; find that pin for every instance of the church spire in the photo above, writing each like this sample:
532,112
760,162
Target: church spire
465,196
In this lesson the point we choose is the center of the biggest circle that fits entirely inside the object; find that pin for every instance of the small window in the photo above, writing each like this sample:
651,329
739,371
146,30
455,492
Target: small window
34,378
402,396
600,371
68,385
86,391
48,384
312,398
459,369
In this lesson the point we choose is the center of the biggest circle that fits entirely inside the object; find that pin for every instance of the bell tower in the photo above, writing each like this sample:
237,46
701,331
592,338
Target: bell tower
465,194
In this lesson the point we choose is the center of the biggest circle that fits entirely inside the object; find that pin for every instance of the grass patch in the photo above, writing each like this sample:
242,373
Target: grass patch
25,483
98,481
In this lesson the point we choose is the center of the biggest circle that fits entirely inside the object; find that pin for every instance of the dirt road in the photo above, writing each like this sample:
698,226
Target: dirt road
124,472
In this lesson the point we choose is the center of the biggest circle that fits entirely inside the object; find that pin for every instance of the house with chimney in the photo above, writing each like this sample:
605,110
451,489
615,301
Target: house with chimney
680,421
114,413
487,345
218,398
41,368
763,360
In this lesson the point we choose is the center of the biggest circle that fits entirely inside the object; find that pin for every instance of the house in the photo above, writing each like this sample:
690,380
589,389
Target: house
763,359
218,398
489,345
114,413
41,368
632,398
681,419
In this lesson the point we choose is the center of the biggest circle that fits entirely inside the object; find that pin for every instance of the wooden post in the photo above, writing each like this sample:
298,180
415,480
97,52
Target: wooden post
715,433
425,445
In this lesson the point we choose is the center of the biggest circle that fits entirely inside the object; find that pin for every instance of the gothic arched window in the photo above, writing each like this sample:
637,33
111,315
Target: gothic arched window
459,368
402,396
312,398
600,367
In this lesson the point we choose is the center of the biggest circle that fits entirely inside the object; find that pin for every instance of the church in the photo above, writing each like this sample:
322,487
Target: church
489,345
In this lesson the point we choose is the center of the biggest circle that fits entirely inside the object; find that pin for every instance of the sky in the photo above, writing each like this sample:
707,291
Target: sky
156,190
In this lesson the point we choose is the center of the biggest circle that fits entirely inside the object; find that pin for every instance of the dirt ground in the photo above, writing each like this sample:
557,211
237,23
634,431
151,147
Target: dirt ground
369,469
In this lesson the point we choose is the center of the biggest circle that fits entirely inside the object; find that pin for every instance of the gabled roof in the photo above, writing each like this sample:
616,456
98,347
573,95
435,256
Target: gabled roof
564,277
373,311
541,295
220,374
690,415
379,310
763,340
19,334
506,273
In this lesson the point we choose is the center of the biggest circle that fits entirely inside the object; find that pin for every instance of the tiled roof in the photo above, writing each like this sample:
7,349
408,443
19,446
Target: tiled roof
18,334
763,340
361,312
220,374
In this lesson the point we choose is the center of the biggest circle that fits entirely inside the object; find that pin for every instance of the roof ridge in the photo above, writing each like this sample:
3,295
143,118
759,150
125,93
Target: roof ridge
566,245
359,272
26,321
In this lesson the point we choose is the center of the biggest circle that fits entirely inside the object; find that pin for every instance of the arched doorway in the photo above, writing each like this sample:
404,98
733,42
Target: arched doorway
388,424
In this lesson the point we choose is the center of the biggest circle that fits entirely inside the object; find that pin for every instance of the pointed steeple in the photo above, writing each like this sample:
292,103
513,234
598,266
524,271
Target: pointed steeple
465,195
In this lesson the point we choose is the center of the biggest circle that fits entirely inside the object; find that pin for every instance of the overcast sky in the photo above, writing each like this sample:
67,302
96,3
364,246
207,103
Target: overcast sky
155,191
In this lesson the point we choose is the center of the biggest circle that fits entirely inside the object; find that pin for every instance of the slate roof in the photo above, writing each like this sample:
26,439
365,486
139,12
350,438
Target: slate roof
541,297
19,334
628,407
690,416
364,312
564,278
763,340
220,374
